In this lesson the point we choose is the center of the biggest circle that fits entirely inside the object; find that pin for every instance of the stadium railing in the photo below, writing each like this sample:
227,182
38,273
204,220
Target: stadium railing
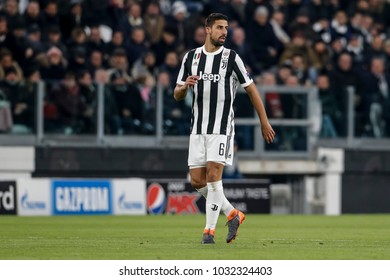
297,131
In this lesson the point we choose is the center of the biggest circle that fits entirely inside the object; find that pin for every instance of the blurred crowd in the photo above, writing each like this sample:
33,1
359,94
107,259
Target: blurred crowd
136,47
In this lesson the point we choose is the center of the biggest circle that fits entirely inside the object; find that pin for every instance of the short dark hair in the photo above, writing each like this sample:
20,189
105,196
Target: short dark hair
210,20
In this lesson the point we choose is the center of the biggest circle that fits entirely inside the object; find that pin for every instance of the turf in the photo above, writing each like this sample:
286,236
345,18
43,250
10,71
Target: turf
170,237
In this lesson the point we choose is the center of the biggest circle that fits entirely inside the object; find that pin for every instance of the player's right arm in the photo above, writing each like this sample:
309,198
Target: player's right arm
180,91
184,80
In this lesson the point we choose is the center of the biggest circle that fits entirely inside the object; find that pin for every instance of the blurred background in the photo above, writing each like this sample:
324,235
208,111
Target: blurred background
86,91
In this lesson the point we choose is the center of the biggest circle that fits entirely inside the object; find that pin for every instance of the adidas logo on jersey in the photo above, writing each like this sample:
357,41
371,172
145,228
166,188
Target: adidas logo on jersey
209,77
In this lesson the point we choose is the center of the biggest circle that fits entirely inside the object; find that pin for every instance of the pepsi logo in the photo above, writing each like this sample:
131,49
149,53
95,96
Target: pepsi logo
156,199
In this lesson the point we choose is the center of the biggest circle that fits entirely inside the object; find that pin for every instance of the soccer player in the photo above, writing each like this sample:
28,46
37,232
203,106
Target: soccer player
213,72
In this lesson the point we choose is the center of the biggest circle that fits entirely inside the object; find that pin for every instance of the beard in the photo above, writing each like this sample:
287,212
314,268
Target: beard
217,43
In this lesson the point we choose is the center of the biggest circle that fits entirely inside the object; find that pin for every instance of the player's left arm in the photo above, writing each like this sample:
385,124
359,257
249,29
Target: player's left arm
244,79
266,129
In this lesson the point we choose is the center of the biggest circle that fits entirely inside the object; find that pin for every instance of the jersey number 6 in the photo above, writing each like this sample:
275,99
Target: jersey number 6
221,149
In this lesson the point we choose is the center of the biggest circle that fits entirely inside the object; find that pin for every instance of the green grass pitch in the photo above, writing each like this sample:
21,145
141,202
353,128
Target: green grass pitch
171,237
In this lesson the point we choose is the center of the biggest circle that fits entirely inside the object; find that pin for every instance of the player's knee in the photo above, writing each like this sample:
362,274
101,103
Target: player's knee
214,173
198,183
213,176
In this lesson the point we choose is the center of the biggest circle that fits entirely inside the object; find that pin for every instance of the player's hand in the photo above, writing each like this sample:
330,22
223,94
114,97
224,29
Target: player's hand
192,80
268,132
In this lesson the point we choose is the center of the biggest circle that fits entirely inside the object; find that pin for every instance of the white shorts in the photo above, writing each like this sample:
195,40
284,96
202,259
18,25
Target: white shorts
210,147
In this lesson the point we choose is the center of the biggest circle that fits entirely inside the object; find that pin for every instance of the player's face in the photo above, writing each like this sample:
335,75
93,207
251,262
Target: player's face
218,32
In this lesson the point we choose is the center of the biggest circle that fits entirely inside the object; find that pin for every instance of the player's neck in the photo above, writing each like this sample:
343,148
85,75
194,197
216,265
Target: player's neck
209,47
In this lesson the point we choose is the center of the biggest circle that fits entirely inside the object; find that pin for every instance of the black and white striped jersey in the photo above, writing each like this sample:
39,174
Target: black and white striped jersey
220,73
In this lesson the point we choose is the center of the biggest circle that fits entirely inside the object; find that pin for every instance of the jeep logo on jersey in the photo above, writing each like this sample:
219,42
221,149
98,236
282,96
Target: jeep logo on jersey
209,77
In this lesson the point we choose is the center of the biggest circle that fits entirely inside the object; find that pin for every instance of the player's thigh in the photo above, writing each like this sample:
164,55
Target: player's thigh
219,149
197,151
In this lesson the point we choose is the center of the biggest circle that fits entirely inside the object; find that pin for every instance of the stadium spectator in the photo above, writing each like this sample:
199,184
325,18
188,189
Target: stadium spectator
377,99
182,25
339,26
143,73
337,47
318,9
331,113
360,6
55,40
77,41
277,5
95,62
133,19
144,70
50,16
238,8
117,41
95,40
112,121
375,49
322,51
343,76
322,30
301,70
88,93
292,9
23,103
55,65
6,40
386,54
20,44
239,43
129,101
11,10
116,13
96,12
72,19
279,26
386,11
168,43
138,45
34,38
73,111
366,27
263,42
252,5
197,39
119,61
283,72
154,22
300,46
171,65
356,26
176,115
355,48
78,60
273,102
32,14
302,24
10,84
7,63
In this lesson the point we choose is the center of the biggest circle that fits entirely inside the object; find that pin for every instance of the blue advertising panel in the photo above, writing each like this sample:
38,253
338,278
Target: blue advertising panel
81,197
